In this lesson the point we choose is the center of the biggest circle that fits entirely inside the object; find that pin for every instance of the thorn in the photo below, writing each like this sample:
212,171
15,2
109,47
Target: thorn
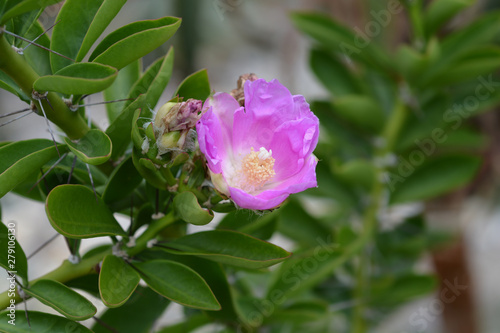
48,125
38,45
92,182
72,168
43,33
42,246
15,112
47,172
13,120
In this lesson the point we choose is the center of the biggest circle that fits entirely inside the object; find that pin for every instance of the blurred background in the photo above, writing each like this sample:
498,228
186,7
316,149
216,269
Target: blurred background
232,37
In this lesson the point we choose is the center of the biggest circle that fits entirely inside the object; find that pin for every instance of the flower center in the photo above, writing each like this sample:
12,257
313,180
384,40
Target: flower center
257,169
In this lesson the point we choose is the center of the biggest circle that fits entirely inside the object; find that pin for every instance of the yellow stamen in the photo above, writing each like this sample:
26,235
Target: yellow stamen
257,168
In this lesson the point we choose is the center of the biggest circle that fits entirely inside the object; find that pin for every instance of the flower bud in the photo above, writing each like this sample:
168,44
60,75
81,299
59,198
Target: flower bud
239,93
173,122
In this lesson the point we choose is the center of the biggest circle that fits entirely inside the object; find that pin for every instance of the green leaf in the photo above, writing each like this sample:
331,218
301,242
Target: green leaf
24,7
188,325
480,61
229,247
178,283
357,172
126,78
11,86
62,299
38,58
78,79
40,322
74,20
304,270
441,11
148,171
93,148
300,312
120,47
333,74
12,256
154,81
74,212
392,291
291,224
187,206
433,178
117,281
21,159
194,86
361,111
145,302
120,129
248,222
122,182
106,12
338,38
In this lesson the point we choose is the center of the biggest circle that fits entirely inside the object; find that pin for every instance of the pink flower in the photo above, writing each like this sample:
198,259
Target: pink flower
259,154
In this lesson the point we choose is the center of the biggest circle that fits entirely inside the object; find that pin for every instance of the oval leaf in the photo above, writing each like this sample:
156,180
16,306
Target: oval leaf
75,212
432,179
117,281
66,43
40,322
62,299
78,79
187,206
178,283
106,12
229,247
94,148
26,6
194,86
15,260
134,41
122,181
154,81
21,159
361,111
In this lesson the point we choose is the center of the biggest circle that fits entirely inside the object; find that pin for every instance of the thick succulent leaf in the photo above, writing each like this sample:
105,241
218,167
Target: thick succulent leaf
106,12
117,281
122,181
411,182
75,212
124,319
154,81
93,148
229,247
70,31
24,7
338,38
121,128
38,58
440,11
333,74
119,48
21,159
187,206
178,283
78,79
62,299
361,111
126,78
194,86
12,256
8,84
40,322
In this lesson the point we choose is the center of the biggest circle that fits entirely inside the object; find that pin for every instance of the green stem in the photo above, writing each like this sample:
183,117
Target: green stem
57,111
68,271
390,136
